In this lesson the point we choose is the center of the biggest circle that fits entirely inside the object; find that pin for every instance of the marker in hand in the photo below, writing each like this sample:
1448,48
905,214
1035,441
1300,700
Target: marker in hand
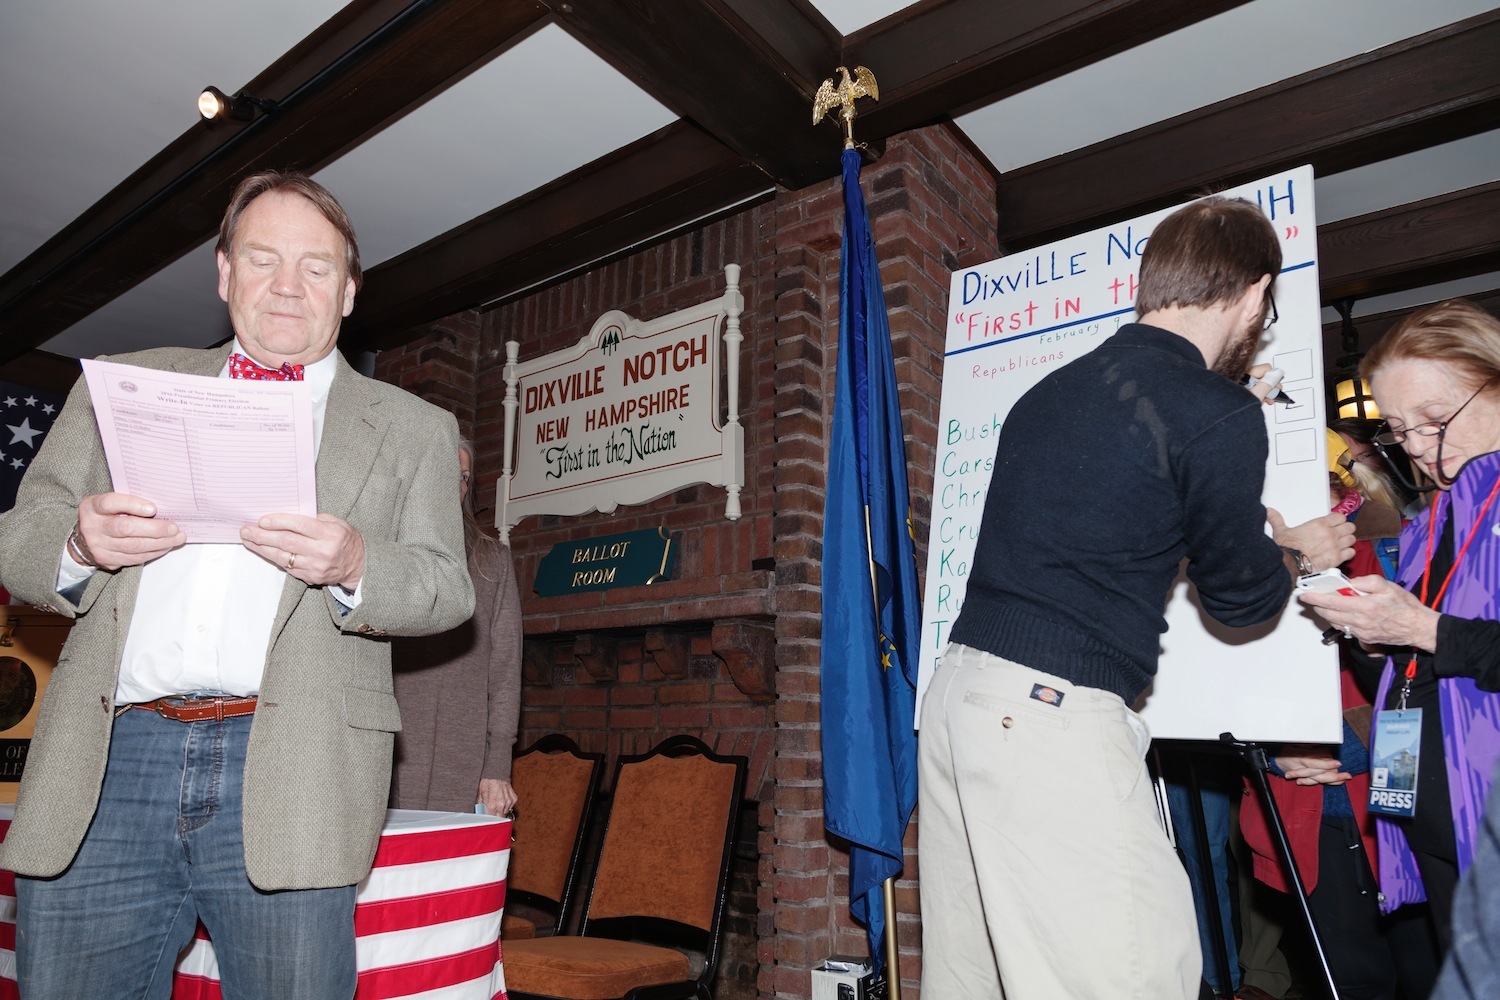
1273,378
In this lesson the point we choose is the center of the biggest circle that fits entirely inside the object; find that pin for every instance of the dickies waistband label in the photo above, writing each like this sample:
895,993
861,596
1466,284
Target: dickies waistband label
1047,695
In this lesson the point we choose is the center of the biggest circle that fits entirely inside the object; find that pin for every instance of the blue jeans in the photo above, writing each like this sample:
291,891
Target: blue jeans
1472,970
1215,800
164,851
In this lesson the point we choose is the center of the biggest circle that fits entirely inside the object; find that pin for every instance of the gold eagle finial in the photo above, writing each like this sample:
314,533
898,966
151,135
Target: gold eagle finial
850,89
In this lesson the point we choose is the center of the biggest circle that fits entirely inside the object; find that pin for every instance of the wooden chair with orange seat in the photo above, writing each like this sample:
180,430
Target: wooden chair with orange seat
660,886
557,783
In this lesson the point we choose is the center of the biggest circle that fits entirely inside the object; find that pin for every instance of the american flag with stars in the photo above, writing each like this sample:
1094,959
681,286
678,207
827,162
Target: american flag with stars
26,415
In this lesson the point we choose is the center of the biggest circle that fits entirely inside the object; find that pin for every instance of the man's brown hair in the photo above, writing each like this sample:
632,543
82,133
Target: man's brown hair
294,182
1206,254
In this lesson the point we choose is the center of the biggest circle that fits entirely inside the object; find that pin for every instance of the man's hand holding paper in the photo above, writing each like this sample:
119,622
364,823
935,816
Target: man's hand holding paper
318,550
118,529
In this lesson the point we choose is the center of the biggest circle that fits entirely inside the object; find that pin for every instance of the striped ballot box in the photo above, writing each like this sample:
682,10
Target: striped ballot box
426,919
8,989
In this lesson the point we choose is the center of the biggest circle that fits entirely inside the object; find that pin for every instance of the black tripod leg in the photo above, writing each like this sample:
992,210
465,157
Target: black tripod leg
1256,760
1208,877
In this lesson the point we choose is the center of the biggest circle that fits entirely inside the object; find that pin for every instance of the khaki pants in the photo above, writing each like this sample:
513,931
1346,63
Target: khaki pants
1045,872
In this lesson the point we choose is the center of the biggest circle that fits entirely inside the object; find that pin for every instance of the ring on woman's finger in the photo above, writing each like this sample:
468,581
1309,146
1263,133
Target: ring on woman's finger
1348,632
291,561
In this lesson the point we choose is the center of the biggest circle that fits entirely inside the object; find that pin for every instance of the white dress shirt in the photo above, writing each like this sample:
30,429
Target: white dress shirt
203,616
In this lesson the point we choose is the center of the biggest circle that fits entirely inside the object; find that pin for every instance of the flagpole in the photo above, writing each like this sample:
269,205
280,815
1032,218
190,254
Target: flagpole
842,97
888,887
892,953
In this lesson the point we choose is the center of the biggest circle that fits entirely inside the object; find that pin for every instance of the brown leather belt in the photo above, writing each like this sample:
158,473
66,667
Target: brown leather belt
200,709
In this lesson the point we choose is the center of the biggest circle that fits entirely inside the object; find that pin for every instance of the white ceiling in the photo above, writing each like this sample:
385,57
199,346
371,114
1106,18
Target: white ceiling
107,84
101,101
476,146
471,148
1250,46
850,15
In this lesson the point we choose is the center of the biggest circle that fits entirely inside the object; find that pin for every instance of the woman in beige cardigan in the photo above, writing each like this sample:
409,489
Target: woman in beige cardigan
460,691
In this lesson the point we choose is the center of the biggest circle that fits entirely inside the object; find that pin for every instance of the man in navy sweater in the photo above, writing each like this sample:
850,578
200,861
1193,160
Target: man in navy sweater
1045,869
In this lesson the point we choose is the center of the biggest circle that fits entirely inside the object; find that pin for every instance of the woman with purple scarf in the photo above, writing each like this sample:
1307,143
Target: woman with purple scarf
1436,380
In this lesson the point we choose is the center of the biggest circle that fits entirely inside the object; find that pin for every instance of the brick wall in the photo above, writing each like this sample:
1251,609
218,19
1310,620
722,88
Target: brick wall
932,209
797,889
729,650
439,365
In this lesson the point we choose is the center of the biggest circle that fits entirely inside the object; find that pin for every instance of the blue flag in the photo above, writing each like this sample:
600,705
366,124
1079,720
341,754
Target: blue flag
871,608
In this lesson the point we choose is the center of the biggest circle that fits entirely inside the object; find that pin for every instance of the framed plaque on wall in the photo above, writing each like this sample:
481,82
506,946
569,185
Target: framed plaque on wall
30,641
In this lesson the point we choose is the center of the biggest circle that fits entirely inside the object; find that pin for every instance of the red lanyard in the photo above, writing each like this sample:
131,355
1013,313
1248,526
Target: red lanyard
1411,666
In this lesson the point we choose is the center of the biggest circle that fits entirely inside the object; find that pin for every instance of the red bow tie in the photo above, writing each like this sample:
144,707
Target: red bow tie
242,367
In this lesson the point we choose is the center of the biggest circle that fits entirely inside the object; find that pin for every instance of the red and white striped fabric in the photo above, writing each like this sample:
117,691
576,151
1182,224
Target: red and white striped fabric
8,990
426,919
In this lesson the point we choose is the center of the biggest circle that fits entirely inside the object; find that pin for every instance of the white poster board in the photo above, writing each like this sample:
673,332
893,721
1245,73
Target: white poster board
1013,320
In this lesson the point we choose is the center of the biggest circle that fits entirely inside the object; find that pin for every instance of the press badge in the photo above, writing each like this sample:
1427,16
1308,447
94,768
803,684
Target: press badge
1394,755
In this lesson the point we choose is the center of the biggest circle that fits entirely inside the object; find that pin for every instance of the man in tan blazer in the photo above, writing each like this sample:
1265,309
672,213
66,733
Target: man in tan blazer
215,742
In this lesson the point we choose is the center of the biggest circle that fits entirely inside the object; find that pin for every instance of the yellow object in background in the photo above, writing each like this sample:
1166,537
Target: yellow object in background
1339,459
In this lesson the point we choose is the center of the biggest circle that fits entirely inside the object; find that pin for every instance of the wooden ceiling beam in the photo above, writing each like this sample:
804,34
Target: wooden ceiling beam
42,370
1376,325
744,70
947,57
1432,88
1454,235
153,217
607,206
665,180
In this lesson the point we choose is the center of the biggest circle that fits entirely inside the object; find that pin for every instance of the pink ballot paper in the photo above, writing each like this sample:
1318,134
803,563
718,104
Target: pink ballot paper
212,453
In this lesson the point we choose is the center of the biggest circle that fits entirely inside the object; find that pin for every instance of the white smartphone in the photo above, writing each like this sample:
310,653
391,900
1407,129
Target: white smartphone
1330,581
